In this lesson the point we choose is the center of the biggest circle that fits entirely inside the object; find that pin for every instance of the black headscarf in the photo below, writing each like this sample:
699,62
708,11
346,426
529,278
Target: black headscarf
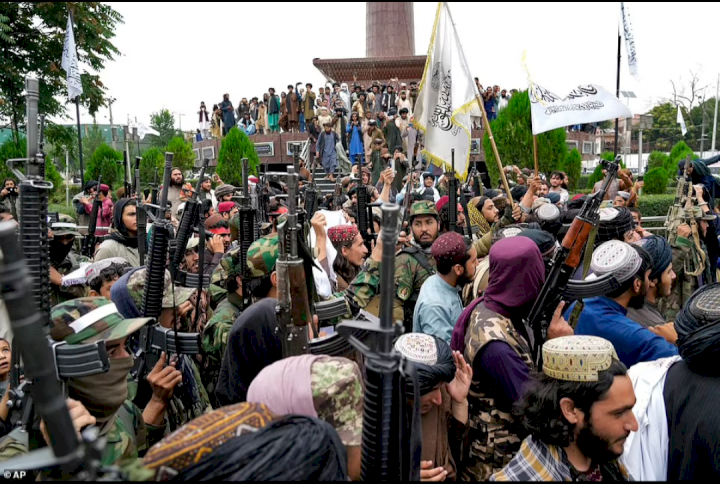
295,448
122,235
616,228
699,332
660,252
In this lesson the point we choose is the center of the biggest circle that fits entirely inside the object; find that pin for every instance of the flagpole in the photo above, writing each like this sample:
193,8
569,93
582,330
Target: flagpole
617,94
484,114
77,113
535,156
486,123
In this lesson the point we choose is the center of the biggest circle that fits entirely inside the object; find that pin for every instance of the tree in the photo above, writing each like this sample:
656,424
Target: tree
38,33
687,94
573,168
236,146
164,123
513,135
18,149
59,138
679,152
656,181
104,161
597,174
184,155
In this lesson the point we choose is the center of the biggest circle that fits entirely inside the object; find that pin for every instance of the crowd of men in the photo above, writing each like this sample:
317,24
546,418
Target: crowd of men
623,388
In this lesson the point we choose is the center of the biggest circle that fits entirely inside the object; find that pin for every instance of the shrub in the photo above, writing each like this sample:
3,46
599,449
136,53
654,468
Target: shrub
573,168
236,146
104,161
582,183
658,159
513,135
10,149
655,205
679,152
184,156
153,161
656,181
595,177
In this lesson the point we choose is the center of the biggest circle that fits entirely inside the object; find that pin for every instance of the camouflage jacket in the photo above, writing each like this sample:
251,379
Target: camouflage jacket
492,436
214,339
218,279
61,294
684,285
410,275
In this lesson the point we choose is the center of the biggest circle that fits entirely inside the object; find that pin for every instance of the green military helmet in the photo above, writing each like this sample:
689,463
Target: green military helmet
89,320
171,299
423,207
262,255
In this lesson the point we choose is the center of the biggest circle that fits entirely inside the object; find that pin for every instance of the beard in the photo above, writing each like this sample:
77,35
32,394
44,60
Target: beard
595,446
638,300
424,244
176,184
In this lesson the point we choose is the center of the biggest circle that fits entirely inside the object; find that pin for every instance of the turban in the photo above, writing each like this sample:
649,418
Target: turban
660,251
443,201
614,224
431,356
342,233
544,240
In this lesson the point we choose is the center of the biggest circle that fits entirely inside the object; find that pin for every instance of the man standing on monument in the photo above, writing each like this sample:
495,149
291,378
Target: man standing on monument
292,104
228,114
308,103
273,111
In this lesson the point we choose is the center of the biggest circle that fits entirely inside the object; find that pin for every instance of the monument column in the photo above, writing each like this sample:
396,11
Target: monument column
389,29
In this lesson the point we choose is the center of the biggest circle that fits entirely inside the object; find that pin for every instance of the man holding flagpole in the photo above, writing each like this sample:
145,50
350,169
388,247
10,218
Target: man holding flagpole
74,85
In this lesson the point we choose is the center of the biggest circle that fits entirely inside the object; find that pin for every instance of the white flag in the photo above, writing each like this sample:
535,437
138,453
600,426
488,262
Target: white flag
142,130
629,41
681,122
70,63
447,94
585,104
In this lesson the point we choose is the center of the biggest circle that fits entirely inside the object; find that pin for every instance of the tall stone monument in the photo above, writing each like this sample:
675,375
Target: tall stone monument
389,49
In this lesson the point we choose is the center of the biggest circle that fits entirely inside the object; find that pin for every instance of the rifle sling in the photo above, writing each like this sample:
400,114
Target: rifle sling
415,252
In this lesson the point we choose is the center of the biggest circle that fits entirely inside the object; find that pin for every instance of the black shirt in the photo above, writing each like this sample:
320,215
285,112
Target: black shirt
253,344
691,404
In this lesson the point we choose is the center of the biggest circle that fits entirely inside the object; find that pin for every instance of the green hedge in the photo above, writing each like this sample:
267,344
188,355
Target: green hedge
582,183
655,205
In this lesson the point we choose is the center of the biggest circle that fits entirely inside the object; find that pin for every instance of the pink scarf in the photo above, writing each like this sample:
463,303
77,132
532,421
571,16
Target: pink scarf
285,386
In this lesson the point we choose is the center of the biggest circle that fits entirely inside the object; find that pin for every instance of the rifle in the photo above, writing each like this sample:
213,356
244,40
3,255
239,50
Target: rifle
246,216
151,340
188,221
34,202
311,192
263,202
66,457
391,434
293,300
296,164
141,215
126,164
337,193
154,193
364,211
88,249
682,212
566,261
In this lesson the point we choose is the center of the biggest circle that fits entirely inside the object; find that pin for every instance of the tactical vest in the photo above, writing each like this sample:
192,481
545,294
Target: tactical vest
492,435
409,306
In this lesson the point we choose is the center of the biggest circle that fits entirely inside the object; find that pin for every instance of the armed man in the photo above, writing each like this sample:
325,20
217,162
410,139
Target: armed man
63,261
690,261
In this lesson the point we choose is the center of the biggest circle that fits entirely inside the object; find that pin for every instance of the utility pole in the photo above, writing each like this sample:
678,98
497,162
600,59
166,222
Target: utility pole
702,130
180,115
717,93
113,131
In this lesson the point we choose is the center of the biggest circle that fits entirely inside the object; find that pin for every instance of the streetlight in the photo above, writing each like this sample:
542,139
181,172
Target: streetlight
113,129
646,122
180,115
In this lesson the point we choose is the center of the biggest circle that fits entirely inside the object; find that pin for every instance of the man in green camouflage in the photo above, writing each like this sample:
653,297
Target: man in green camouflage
216,331
63,261
179,307
686,259
414,264
102,399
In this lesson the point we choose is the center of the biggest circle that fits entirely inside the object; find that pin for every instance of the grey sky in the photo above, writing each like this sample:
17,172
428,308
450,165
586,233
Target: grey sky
176,55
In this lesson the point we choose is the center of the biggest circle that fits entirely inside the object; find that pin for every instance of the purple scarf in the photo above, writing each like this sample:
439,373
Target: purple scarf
285,386
517,274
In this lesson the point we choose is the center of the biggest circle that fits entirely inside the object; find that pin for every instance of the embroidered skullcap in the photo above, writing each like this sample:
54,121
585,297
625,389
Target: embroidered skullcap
418,348
342,233
625,195
577,358
547,212
617,258
449,247
93,270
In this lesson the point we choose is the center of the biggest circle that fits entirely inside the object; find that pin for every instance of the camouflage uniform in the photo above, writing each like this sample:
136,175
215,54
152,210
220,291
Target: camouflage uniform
337,392
190,400
410,273
218,279
684,285
71,263
128,435
492,435
214,340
